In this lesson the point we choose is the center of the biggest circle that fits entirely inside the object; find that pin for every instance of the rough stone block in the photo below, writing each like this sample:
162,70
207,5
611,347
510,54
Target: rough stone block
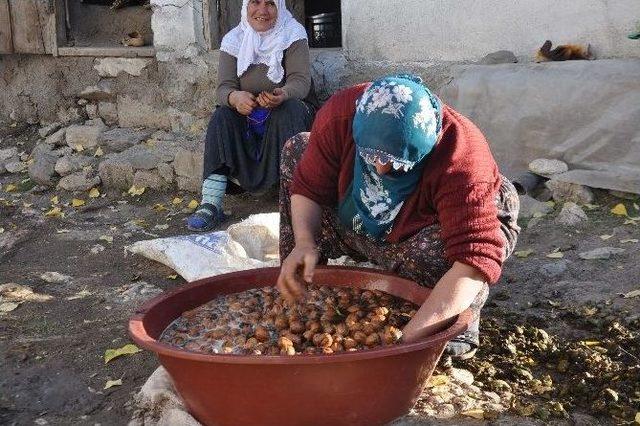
85,136
79,181
571,215
41,171
112,67
133,113
189,164
108,111
116,174
103,91
166,172
149,179
57,138
72,163
120,139
565,191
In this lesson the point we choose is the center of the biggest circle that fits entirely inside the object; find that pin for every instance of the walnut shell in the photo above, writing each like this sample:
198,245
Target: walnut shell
262,334
372,340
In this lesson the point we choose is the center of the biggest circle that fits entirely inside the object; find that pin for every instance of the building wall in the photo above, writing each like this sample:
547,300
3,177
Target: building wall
466,30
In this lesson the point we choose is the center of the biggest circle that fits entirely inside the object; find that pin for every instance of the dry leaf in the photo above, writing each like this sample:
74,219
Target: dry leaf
633,293
8,307
476,413
1,230
629,240
111,354
76,202
80,295
172,277
134,190
99,152
106,238
590,343
176,201
161,227
620,210
112,383
438,380
19,293
193,204
159,207
78,147
523,254
54,200
635,206
55,212
591,206
605,237
94,193
555,255
10,188
638,417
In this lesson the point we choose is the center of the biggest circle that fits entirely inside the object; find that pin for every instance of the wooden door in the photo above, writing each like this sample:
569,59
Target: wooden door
28,26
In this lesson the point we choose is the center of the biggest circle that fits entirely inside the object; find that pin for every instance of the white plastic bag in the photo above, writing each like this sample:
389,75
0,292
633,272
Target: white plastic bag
252,243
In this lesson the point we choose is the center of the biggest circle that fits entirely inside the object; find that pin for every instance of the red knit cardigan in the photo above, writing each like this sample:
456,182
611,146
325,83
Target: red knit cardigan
458,187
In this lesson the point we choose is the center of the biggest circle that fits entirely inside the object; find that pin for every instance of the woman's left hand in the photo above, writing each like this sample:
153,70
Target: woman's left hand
273,99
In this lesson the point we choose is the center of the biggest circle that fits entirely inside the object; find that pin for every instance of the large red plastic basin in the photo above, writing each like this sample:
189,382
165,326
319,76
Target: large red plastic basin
369,387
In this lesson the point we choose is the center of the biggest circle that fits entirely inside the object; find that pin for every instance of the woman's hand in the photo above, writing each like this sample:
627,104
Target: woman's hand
243,102
289,282
273,99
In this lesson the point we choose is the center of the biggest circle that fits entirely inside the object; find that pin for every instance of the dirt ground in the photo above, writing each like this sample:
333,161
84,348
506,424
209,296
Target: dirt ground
560,343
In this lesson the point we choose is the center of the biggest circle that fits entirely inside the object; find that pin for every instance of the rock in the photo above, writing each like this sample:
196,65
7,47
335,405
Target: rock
138,292
95,122
98,248
554,269
140,157
79,181
189,184
166,172
565,191
42,169
600,253
82,102
499,57
55,277
85,136
116,173
92,111
530,207
71,115
108,111
188,164
103,91
50,129
57,138
133,113
462,376
149,179
72,163
112,67
119,139
8,154
571,215
545,167
15,166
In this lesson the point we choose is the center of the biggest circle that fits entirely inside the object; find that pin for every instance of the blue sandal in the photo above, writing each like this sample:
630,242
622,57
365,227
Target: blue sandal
205,218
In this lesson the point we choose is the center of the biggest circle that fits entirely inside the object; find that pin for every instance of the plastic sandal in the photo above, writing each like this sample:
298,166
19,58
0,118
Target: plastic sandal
205,218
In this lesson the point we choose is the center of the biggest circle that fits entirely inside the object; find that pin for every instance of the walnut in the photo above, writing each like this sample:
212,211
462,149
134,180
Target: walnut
289,350
297,327
337,347
341,329
310,350
308,335
349,343
368,328
328,327
391,335
251,343
323,340
314,326
359,337
261,333
281,322
381,310
372,340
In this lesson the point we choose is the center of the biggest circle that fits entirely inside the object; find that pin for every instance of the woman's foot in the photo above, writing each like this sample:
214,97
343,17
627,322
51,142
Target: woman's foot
205,218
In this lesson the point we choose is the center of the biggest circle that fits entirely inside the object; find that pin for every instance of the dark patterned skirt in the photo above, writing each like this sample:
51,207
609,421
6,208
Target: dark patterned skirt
251,161
420,258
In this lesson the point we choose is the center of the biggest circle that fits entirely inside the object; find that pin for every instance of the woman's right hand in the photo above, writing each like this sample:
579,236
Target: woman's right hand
289,283
243,102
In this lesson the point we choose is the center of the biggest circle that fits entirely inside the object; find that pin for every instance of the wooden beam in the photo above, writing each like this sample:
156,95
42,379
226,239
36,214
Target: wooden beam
25,27
119,52
6,41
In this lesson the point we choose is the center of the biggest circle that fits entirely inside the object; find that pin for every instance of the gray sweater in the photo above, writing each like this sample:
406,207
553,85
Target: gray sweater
296,83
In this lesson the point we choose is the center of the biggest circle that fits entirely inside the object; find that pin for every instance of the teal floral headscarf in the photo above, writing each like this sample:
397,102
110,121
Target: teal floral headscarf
397,121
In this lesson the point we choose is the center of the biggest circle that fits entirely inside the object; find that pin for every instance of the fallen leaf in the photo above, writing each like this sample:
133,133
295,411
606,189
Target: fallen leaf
63,231
538,215
134,190
76,202
172,277
80,295
555,255
112,383
523,254
161,227
631,222
629,240
638,417
10,188
475,413
590,343
159,207
554,303
438,380
129,349
619,210
94,193
193,204
8,307
1,230
591,206
54,200
12,292
78,147
55,212
99,152
635,206
633,293
605,237
107,238
176,201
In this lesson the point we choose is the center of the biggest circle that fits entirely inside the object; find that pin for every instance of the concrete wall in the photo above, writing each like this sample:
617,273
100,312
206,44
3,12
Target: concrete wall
466,30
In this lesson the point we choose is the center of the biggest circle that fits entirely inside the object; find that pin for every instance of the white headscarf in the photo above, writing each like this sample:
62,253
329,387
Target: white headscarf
252,47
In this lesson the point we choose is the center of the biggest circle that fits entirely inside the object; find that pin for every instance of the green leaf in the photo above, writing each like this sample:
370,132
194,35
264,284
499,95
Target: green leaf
129,349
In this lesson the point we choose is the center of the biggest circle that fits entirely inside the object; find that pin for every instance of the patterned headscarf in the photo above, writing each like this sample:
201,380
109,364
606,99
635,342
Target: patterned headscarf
397,121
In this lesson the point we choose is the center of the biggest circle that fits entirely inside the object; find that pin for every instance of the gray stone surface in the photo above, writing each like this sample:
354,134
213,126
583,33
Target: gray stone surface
116,173
15,166
72,163
149,179
134,113
58,138
119,139
79,181
188,163
566,191
92,111
112,67
108,111
499,57
554,269
571,215
190,184
601,253
141,157
85,136
71,115
530,207
103,91
41,171
49,129
8,153
546,167
166,172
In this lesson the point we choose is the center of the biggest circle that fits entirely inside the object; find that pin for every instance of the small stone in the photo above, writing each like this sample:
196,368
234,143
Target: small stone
103,91
49,129
98,248
15,166
462,376
571,215
79,181
116,173
602,253
148,179
72,163
55,277
166,172
119,139
8,153
545,167
499,57
137,292
554,269
41,171
84,136
530,207
109,112
57,138
92,111
565,191
71,115
492,396
82,102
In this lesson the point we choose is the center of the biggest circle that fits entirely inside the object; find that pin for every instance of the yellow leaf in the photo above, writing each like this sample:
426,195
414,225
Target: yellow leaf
10,188
620,210
638,417
129,349
54,200
590,343
76,202
112,383
159,207
193,204
55,212
476,413
94,193
591,206
99,152
605,237
78,147
437,380
523,254
629,240
106,238
1,230
633,293
134,190
172,277
538,215
176,201
555,255
80,295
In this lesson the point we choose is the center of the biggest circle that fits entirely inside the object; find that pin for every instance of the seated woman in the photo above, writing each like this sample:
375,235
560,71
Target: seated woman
264,96
392,176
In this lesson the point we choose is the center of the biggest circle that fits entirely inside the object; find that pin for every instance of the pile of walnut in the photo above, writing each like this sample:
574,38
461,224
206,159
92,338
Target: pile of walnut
260,321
